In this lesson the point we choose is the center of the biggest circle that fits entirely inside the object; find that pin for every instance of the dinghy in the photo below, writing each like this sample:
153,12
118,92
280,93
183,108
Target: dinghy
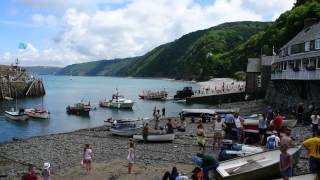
17,115
126,129
155,137
37,113
263,165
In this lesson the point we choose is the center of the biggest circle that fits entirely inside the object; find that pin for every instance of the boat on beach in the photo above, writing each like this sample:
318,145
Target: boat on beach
79,108
112,122
126,129
155,137
17,115
264,165
154,95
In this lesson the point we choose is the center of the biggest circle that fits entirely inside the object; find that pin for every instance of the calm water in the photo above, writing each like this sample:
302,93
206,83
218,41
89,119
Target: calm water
60,92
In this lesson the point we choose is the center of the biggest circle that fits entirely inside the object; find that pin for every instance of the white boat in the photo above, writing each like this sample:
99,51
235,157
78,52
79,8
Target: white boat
198,111
155,137
117,101
37,113
286,122
263,165
110,122
17,115
245,150
126,129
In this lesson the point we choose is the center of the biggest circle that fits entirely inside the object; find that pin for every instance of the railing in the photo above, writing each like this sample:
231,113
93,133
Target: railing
296,75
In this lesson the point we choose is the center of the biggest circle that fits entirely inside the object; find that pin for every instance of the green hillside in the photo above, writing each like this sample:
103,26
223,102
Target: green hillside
43,70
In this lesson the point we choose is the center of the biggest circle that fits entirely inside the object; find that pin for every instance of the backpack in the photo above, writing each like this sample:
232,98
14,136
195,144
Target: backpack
271,144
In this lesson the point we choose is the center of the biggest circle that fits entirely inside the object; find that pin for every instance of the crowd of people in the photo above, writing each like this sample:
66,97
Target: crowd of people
222,128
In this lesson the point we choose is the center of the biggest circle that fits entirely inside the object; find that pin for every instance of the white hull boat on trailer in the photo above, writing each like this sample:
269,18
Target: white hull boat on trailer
263,165
16,115
155,137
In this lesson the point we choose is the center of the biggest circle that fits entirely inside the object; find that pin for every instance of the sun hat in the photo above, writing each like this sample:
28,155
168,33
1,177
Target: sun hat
46,165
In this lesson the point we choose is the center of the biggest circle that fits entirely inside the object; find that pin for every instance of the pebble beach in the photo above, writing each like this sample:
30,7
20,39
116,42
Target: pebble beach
64,152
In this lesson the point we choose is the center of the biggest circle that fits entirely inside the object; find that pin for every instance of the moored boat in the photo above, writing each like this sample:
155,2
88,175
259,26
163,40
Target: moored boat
263,165
79,108
118,101
37,113
17,115
154,95
155,137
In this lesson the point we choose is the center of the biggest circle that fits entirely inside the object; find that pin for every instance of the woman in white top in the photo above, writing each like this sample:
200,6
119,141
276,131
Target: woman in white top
315,118
87,158
218,126
131,156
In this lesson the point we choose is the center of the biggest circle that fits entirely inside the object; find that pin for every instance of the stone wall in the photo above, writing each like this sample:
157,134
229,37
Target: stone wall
217,99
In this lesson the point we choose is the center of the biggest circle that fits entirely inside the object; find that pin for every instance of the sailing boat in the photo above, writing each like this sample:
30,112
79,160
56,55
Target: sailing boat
15,113
70,78
40,113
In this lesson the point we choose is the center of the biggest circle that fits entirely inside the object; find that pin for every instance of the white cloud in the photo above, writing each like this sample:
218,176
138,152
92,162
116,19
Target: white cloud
46,20
136,28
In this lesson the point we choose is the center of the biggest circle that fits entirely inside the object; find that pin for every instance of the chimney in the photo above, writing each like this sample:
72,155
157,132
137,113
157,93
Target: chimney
309,22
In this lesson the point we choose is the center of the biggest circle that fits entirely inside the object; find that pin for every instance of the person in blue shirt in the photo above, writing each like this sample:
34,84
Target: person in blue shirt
229,121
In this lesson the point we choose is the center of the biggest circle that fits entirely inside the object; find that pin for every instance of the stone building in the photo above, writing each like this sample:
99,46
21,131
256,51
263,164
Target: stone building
295,74
258,75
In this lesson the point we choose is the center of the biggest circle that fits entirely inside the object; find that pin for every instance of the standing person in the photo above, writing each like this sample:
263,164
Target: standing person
218,125
273,141
300,112
156,126
315,121
131,156
145,132
174,173
87,158
154,112
285,139
229,121
169,127
46,172
278,123
262,127
163,112
313,146
269,114
201,136
31,174
285,163
239,125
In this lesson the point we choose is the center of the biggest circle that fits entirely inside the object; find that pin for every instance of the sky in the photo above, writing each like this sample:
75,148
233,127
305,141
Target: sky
64,32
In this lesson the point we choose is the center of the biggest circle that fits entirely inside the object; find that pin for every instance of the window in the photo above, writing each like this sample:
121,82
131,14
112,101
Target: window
307,46
285,65
297,48
318,63
312,44
317,44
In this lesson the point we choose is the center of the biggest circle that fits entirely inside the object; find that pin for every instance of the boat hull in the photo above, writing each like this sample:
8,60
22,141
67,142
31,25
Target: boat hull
156,138
21,117
126,132
78,111
37,114
265,172
116,105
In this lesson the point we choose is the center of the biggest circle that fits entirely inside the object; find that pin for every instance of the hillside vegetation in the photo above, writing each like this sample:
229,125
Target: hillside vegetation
220,51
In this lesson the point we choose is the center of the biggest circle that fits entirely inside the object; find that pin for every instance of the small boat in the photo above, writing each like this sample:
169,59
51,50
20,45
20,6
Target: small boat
251,125
154,95
229,151
126,129
37,113
17,115
110,122
184,93
264,165
80,108
155,137
117,101
198,112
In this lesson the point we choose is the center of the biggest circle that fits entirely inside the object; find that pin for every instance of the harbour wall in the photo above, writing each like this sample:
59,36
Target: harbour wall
216,98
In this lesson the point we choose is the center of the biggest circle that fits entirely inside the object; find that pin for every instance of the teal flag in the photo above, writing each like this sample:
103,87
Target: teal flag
22,45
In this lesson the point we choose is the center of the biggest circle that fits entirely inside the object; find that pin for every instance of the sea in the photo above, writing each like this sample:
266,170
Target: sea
62,91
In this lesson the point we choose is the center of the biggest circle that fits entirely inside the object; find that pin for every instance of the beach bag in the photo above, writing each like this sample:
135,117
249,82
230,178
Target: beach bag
271,144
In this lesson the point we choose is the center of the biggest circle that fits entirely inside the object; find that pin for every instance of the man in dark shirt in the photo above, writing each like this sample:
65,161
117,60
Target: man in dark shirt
30,175
169,127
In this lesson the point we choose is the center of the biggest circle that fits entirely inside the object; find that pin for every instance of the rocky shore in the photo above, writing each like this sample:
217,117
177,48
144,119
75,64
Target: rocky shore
64,151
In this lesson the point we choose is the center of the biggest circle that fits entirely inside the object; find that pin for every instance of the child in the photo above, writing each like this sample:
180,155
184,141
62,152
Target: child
46,172
285,163
87,158
131,156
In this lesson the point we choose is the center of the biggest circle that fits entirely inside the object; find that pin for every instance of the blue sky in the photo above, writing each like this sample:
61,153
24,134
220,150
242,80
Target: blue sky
62,32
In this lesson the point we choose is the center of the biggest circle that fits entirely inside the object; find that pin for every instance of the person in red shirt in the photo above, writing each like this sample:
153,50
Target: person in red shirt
278,122
31,174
